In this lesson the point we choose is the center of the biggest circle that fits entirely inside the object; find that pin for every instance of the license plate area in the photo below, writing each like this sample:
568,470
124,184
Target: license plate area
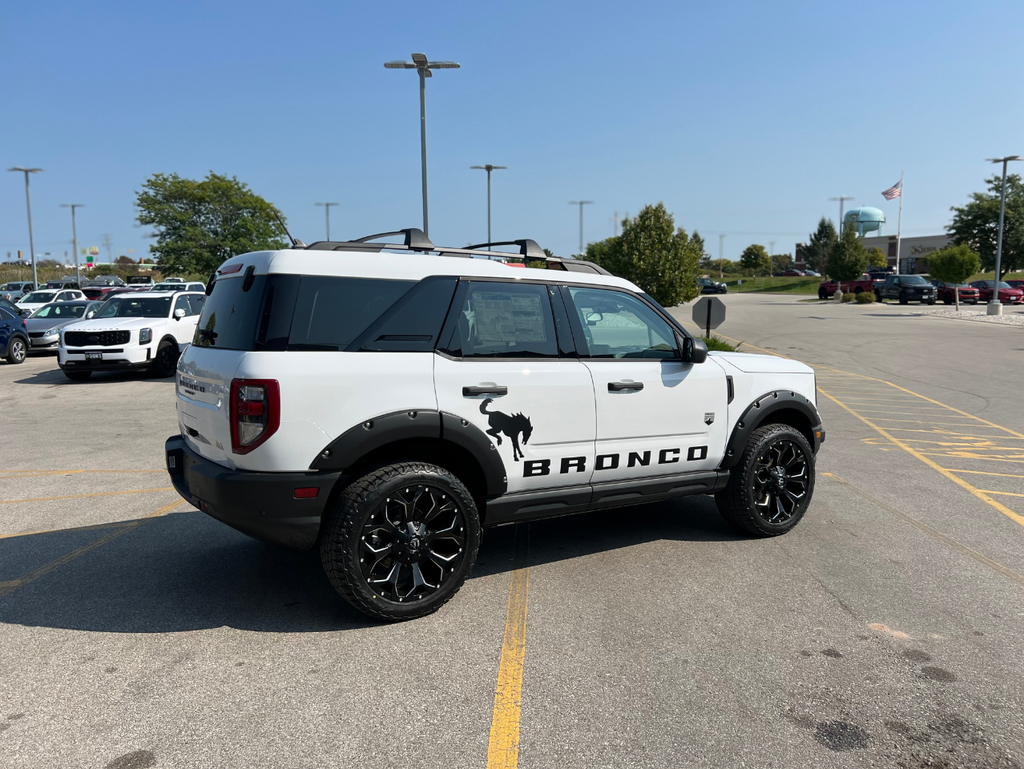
94,356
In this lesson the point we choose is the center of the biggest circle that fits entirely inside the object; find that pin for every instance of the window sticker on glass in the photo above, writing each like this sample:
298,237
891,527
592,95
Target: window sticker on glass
504,317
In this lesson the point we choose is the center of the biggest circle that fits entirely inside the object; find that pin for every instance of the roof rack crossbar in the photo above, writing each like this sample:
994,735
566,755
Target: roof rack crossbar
415,238
527,247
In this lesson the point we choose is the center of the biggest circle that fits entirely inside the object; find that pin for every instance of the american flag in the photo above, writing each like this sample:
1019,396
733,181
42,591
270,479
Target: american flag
894,192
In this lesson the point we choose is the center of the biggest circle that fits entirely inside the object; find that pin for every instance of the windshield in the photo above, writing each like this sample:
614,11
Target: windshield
913,280
166,287
39,297
136,307
60,310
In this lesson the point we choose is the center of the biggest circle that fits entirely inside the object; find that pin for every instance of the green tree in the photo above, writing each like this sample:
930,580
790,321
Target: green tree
819,245
653,254
755,259
953,264
876,257
781,262
199,224
977,224
704,259
848,258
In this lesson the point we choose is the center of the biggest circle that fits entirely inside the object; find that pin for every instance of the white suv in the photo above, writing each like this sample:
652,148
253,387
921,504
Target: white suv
387,401
135,330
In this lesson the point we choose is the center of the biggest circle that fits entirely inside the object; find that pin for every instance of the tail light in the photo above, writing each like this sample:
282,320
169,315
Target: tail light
255,412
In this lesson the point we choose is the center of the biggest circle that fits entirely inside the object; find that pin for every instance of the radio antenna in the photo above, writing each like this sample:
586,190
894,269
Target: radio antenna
295,242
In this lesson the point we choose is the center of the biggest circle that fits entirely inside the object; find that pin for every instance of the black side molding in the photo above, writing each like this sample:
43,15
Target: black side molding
768,405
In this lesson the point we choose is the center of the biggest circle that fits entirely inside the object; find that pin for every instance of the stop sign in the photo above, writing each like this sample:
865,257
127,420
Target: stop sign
709,313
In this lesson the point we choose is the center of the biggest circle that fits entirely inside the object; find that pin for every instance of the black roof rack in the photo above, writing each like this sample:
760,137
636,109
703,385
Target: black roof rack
416,240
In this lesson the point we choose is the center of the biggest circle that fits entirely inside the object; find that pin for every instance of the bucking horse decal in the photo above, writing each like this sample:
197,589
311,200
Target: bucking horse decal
513,427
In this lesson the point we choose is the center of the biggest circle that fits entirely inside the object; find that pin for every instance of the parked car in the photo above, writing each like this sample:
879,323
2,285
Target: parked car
174,286
14,309
13,337
134,330
140,280
12,292
968,294
828,287
792,274
44,324
906,288
1007,293
708,286
1016,283
174,280
37,299
62,283
107,280
812,273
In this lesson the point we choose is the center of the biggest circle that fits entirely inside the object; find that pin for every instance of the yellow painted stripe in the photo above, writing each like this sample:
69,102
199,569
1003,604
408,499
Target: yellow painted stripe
954,544
12,585
961,455
503,746
1015,517
97,527
85,496
40,473
983,472
1004,493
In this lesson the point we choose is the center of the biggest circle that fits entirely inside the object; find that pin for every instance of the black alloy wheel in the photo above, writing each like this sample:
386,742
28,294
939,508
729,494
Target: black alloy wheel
771,486
16,350
399,542
166,360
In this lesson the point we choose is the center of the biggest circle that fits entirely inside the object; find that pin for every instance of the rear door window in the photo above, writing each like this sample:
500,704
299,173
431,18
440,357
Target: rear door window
505,320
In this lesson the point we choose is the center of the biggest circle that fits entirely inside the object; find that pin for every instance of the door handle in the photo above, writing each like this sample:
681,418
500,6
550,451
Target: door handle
485,390
617,386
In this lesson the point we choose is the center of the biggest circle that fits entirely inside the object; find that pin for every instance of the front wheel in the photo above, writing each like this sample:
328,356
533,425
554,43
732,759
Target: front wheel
770,487
822,294
903,298
166,360
929,301
399,542
17,350
947,299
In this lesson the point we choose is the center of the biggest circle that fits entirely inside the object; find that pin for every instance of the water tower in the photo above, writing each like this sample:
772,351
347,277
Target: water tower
864,220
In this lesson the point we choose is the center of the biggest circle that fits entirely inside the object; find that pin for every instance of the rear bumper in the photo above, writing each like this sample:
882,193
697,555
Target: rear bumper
261,505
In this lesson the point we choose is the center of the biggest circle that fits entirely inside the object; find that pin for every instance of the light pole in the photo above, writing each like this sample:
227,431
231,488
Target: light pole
842,199
995,307
422,66
327,211
74,236
581,203
488,168
721,259
28,204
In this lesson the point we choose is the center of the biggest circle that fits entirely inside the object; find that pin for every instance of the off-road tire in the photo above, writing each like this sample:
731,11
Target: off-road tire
166,360
737,503
348,515
17,350
77,376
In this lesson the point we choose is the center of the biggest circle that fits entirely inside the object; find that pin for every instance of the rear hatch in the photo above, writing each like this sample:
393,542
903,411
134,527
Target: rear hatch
225,333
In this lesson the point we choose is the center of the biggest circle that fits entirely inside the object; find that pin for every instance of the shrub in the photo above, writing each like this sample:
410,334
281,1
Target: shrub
865,297
720,345
848,297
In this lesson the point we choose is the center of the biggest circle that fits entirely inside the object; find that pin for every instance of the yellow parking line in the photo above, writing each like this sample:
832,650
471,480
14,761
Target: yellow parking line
61,531
85,496
12,585
40,473
1004,493
1015,517
954,544
503,746
961,456
983,472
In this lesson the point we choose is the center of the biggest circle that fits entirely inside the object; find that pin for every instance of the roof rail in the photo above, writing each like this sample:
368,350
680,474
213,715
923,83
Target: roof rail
528,248
415,238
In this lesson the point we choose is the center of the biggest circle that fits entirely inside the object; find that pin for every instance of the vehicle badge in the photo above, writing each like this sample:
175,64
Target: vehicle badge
709,417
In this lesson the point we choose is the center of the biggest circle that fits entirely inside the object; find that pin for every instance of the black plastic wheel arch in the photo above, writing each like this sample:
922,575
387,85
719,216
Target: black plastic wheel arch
759,412
355,443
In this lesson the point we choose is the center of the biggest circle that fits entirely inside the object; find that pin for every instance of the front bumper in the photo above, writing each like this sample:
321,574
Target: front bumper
43,342
261,505
123,358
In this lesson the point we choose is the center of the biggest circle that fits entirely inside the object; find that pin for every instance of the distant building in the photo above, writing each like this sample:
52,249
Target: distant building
911,259
912,250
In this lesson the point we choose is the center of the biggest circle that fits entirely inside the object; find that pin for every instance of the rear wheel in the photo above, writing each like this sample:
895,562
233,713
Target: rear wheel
822,293
166,359
771,486
399,542
947,299
903,298
16,350
77,376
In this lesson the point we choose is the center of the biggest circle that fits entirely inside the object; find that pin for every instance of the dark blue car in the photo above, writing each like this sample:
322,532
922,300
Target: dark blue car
13,337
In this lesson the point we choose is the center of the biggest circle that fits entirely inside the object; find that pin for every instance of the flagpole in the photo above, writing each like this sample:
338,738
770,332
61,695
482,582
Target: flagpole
899,227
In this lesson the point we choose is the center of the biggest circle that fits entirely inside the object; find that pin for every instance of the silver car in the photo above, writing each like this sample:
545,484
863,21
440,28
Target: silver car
44,324
12,292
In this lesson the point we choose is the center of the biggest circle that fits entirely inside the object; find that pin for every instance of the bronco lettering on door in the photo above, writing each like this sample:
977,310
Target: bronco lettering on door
538,467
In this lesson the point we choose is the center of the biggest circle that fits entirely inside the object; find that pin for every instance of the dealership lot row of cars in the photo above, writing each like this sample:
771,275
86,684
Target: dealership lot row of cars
141,327
917,288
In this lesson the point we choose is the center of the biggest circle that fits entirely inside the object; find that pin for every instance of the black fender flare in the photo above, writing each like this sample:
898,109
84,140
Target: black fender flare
355,443
760,412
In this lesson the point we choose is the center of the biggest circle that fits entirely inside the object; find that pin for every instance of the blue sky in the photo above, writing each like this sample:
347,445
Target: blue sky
743,118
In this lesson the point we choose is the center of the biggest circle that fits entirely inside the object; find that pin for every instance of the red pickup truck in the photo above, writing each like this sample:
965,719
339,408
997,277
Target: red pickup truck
828,287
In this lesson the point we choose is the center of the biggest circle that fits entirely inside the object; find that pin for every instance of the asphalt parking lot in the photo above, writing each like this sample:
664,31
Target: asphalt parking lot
885,630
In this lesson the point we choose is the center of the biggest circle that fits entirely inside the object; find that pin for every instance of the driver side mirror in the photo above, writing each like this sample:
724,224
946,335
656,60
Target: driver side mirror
691,349
90,314
179,314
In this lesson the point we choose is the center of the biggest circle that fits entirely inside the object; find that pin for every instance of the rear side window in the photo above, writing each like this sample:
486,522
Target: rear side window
331,312
230,315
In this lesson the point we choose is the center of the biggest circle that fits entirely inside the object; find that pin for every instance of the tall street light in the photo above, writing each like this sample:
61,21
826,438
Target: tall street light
327,211
581,203
488,168
842,199
74,236
422,66
28,204
994,305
